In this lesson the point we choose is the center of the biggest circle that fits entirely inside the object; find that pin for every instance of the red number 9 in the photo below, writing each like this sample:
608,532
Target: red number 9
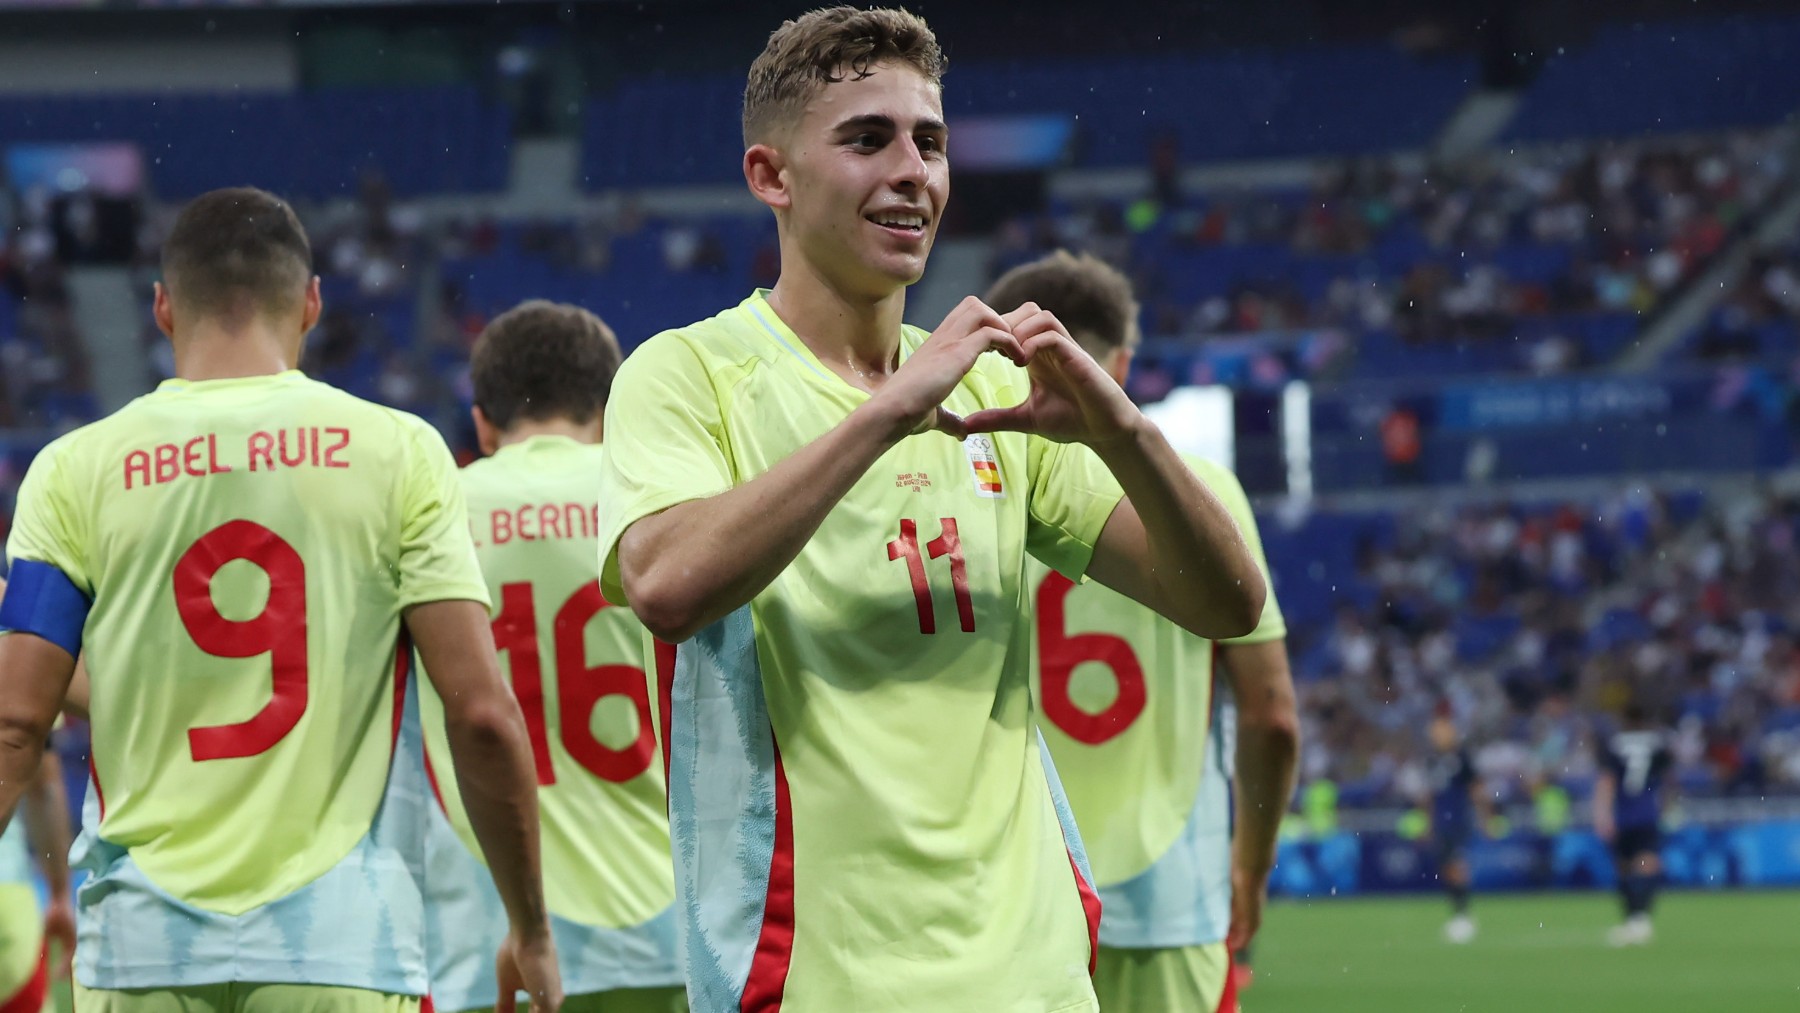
279,631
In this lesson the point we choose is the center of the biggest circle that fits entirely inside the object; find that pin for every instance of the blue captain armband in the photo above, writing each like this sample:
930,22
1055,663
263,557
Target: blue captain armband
42,600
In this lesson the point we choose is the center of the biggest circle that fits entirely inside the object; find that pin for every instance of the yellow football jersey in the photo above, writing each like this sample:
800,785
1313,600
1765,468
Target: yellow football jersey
863,814
248,546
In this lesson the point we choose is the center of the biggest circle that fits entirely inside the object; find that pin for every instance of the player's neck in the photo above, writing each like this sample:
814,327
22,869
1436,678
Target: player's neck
209,350
855,336
525,429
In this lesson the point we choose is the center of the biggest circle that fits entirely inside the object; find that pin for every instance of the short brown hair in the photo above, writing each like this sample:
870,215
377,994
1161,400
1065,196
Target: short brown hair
1091,298
543,360
827,46
237,249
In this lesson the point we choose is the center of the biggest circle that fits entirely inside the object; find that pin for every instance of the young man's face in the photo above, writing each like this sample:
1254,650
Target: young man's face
868,179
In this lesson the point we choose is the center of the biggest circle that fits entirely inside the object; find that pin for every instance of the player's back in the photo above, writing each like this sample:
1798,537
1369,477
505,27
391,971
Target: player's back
1124,700
1640,760
577,666
249,546
245,539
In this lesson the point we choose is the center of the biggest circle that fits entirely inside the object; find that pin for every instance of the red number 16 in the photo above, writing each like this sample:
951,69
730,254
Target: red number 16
579,686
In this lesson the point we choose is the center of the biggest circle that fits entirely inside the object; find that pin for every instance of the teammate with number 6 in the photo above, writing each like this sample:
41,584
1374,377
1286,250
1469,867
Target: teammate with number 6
243,555
830,512
541,374
1126,700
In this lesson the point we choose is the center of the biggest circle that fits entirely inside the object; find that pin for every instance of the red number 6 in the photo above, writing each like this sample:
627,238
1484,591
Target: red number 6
279,631
1059,653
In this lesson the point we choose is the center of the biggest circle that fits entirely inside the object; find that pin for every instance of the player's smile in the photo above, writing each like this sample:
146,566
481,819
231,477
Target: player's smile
907,224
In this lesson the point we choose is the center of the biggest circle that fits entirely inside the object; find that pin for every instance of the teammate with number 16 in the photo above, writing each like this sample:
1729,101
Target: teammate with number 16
243,554
541,373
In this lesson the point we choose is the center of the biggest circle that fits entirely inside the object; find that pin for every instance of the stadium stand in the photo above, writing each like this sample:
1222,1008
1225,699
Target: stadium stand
312,144
1323,100
1664,77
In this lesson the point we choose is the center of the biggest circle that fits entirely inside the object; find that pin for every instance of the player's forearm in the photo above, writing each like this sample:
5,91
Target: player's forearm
693,564
498,785
47,826
34,675
1268,749
489,748
1267,758
1205,577
1603,803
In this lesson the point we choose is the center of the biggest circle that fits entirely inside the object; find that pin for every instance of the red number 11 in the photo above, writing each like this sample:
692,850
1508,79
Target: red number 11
946,544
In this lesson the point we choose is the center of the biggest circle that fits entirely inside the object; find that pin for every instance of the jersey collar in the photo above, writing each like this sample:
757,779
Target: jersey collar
771,324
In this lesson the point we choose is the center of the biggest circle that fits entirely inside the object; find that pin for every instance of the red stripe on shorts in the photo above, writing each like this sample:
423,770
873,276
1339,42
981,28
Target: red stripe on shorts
1228,1000
775,945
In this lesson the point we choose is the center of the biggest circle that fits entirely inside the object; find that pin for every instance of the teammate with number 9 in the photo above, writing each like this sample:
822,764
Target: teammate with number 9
541,374
829,512
1125,696
242,555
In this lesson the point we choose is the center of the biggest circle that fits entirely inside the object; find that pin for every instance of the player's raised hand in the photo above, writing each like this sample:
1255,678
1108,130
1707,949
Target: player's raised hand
918,388
1072,399
529,965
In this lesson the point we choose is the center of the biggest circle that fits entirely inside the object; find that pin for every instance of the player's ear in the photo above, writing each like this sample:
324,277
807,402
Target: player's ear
487,435
763,166
162,311
314,305
1118,363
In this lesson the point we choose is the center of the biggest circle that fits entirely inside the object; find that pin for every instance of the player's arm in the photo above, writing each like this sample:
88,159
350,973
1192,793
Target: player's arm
490,750
443,600
47,830
75,701
1606,790
1483,802
1170,544
692,564
1267,757
34,674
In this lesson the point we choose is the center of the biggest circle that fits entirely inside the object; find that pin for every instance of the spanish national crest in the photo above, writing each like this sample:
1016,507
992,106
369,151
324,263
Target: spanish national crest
985,467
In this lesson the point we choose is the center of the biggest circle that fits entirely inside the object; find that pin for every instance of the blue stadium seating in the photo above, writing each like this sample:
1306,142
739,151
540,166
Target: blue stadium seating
1262,104
637,295
1666,77
308,144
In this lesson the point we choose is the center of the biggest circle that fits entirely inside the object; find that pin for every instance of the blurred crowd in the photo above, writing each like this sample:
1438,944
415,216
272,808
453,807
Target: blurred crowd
45,379
1534,626
1760,317
1437,253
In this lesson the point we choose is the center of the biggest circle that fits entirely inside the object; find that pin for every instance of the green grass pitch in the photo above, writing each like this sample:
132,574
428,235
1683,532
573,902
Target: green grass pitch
1539,953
